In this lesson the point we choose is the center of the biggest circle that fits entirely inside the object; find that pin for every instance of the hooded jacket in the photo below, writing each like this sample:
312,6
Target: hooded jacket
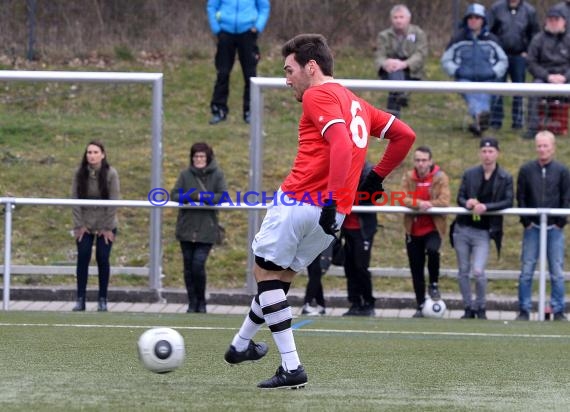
237,16
549,53
439,196
198,225
475,58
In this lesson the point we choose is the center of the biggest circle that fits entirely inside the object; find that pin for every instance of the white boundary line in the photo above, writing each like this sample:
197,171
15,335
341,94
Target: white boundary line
339,331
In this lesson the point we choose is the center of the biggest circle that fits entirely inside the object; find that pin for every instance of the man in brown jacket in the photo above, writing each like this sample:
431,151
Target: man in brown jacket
426,186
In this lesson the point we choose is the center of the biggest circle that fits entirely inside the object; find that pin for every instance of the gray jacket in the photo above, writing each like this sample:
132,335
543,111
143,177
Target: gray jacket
96,218
549,53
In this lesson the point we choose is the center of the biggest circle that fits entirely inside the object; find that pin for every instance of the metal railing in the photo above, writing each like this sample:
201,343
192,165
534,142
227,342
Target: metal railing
10,203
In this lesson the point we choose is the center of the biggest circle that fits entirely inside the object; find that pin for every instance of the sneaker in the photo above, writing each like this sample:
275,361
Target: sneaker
523,315
469,314
217,118
247,117
283,379
254,352
481,314
433,292
483,120
309,310
475,129
559,316
367,310
418,314
353,311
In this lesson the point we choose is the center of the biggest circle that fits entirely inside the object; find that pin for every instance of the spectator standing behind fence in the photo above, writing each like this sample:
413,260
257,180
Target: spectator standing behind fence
474,55
94,179
426,186
543,183
236,25
548,61
514,22
484,188
314,292
358,232
401,52
197,229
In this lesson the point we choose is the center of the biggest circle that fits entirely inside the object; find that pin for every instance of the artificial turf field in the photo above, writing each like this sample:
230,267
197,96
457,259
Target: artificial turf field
88,361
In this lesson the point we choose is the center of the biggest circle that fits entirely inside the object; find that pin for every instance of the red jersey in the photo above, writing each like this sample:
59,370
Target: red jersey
324,106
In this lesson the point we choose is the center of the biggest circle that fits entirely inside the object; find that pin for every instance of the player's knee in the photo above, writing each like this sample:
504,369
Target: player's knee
268,265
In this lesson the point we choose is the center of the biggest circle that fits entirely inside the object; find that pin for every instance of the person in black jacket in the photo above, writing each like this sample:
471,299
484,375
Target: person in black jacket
548,61
485,187
514,22
358,232
543,183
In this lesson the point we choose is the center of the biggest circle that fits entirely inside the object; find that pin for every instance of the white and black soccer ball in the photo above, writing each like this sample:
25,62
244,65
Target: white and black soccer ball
161,350
434,308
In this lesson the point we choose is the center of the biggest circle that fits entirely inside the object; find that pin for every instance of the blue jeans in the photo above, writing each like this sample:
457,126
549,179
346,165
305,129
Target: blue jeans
472,250
477,103
555,257
102,254
517,73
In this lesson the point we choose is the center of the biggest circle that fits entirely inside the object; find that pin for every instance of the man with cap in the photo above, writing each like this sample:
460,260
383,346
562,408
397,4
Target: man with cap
484,188
548,61
474,55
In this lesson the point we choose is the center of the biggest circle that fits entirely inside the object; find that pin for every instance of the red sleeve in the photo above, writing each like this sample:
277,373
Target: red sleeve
340,156
401,138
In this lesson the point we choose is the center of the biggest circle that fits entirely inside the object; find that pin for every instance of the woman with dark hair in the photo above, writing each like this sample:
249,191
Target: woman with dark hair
197,229
94,179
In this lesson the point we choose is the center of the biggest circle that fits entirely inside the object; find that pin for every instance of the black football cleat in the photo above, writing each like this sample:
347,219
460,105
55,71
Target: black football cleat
283,379
254,352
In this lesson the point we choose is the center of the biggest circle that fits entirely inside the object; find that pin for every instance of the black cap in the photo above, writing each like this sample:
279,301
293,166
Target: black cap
555,12
489,142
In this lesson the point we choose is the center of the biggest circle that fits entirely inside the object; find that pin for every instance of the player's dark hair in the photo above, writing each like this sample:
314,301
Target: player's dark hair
424,149
307,47
203,148
83,173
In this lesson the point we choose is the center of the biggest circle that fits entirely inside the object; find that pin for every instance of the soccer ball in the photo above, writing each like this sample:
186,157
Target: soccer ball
161,350
434,308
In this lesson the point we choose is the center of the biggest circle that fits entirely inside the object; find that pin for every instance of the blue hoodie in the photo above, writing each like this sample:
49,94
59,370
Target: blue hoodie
237,16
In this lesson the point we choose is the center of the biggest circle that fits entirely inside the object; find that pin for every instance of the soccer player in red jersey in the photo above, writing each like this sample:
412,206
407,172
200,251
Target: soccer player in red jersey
313,200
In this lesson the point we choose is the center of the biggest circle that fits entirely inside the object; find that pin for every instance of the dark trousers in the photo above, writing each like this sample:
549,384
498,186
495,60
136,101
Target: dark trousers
102,254
517,73
395,99
357,260
245,44
418,247
314,289
194,256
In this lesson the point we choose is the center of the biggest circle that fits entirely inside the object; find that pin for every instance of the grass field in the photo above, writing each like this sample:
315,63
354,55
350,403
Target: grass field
88,361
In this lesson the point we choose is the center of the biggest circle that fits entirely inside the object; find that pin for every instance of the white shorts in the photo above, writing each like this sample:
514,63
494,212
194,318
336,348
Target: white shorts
290,235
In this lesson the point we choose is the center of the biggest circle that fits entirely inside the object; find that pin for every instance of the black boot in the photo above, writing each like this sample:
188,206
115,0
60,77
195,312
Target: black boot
201,306
79,305
102,305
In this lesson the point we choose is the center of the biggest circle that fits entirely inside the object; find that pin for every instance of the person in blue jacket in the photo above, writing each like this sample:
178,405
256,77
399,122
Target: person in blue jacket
236,25
474,55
